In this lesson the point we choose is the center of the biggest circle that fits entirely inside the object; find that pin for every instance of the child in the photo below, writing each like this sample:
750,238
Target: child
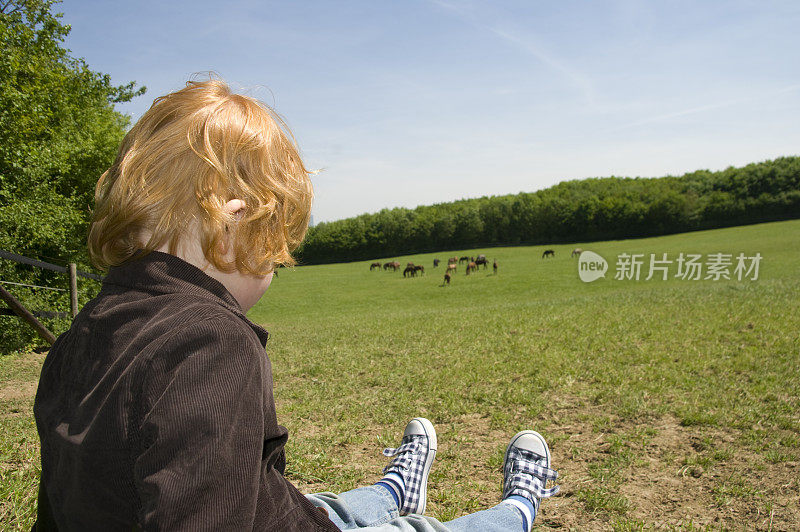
155,410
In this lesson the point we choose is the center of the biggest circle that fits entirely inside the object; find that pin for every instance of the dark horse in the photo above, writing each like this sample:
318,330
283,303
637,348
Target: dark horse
374,265
463,259
482,260
548,253
419,268
409,271
435,263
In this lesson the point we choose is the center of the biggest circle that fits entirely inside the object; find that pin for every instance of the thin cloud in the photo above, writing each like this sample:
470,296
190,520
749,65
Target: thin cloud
527,45
704,108
575,77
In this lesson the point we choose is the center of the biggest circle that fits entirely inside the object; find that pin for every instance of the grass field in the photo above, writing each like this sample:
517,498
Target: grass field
667,404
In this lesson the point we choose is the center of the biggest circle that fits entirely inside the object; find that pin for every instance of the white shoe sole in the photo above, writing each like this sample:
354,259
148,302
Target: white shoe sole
430,432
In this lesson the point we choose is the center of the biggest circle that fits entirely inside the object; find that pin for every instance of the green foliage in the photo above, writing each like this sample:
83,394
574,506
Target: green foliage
58,133
587,210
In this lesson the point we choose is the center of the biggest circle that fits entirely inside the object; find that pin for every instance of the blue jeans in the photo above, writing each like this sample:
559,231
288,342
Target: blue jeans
372,508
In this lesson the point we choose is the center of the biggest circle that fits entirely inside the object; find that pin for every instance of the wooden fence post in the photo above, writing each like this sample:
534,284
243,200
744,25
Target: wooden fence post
26,315
73,288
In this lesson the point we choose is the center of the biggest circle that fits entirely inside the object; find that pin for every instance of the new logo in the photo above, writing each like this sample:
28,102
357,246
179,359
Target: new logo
591,266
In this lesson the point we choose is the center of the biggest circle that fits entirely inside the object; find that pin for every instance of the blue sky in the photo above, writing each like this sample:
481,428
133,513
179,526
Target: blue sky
404,103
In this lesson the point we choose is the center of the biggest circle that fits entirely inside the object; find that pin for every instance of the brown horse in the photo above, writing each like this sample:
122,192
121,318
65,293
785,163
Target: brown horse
494,266
375,265
393,265
447,278
452,260
482,260
471,267
452,266
548,253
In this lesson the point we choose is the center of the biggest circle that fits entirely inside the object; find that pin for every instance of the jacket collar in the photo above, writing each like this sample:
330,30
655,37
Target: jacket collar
162,273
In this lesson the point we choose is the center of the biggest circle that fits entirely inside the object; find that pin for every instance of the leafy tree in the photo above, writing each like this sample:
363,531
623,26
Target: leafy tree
58,132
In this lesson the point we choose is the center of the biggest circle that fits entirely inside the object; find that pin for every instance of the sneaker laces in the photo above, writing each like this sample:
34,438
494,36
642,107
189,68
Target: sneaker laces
404,456
529,476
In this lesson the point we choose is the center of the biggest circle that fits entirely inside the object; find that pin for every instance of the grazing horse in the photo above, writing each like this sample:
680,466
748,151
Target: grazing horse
393,265
494,266
452,260
409,271
375,265
471,267
447,278
576,251
419,268
451,266
435,263
463,259
548,253
482,260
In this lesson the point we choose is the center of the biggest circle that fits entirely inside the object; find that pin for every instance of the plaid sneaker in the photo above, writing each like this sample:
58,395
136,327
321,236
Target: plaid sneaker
526,468
412,462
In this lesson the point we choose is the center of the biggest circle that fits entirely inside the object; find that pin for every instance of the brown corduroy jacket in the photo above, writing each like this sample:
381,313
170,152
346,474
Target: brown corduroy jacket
155,412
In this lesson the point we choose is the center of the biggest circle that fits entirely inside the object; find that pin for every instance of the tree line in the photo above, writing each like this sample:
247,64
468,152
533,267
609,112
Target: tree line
571,211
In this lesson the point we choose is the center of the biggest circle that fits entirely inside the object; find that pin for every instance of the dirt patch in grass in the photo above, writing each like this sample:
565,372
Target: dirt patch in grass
613,474
18,391
664,475
704,476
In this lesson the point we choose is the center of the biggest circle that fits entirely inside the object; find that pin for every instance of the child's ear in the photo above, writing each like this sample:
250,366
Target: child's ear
234,207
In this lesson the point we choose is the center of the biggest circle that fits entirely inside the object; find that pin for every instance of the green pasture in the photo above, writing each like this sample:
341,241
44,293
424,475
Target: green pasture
667,404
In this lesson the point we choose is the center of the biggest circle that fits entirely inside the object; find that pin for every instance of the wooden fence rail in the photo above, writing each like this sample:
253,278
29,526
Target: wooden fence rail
45,265
15,308
27,315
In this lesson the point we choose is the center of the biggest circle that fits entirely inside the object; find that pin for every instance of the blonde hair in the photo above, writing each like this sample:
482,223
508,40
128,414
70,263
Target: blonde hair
194,150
